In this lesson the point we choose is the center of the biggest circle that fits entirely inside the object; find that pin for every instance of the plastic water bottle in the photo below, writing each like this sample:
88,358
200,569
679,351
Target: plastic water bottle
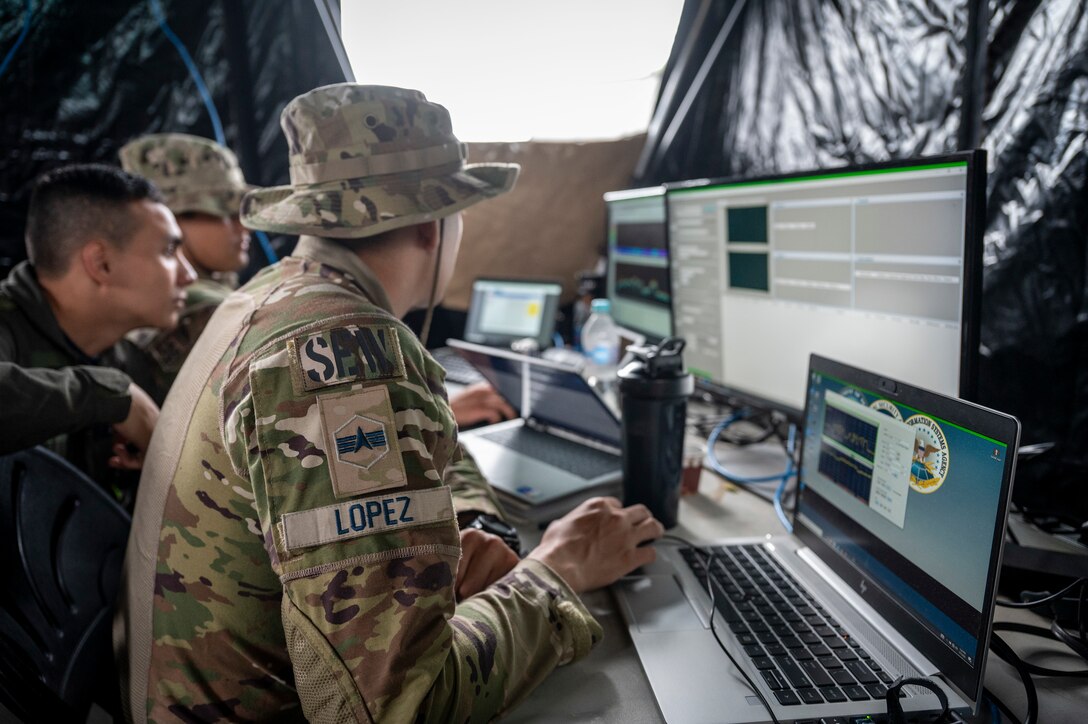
601,344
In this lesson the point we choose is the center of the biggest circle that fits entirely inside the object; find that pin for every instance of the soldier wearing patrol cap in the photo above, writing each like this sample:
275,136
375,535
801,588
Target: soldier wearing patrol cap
295,548
202,183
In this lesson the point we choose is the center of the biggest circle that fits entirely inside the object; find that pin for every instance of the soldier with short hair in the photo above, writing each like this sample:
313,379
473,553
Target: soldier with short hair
296,549
102,261
202,184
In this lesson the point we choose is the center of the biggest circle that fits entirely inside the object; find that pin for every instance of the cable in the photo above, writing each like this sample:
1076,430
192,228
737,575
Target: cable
209,104
20,39
712,557
711,459
156,10
1002,649
1047,599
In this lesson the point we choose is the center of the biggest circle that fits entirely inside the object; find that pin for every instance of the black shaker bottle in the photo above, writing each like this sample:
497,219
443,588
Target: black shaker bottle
654,389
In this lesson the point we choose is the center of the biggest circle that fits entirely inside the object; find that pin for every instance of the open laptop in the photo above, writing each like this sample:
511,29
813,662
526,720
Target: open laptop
502,311
563,447
891,570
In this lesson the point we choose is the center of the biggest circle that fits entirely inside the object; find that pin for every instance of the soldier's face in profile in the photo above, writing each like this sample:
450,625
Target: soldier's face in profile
214,243
149,276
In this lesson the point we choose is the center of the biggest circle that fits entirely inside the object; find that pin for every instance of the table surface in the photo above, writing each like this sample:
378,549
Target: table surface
609,685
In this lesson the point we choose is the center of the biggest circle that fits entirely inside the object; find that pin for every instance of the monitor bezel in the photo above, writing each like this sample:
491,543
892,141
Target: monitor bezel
974,417
643,192
974,225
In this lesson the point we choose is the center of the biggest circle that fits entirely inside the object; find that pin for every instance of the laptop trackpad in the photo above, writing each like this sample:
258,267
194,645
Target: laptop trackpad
656,603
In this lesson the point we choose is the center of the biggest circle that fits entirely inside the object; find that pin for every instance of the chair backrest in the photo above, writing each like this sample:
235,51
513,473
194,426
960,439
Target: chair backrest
62,546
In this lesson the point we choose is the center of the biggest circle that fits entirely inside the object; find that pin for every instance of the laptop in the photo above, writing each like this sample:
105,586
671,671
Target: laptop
563,447
891,569
503,311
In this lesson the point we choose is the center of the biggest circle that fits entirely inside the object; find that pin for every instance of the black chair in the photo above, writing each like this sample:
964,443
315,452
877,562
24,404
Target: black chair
62,545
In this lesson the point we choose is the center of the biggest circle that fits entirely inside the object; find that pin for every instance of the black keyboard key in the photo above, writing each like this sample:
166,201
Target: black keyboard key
802,654
835,643
800,627
782,630
766,637
830,662
763,662
833,694
792,672
824,631
842,677
758,626
819,650
776,649
792,642
738,627
816,673
810,696
787,698
884,678
855,693
861,672
811,639
846,655
746,639
753,650
877,691
774,681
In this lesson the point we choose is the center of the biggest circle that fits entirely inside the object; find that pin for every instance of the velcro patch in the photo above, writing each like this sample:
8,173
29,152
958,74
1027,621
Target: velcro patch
361,442
345,354
355,518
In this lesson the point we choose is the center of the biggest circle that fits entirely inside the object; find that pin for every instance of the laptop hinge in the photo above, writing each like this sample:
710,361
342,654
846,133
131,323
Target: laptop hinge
568,435
867,612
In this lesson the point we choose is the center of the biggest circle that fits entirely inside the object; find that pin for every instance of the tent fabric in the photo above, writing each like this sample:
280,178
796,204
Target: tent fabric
91,76
823,83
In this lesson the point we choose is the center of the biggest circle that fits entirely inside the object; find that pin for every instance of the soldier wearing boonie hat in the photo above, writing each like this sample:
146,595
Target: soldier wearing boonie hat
203,186
295,545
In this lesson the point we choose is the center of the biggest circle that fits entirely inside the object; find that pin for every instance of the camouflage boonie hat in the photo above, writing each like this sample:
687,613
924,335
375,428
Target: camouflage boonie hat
193,173
367,159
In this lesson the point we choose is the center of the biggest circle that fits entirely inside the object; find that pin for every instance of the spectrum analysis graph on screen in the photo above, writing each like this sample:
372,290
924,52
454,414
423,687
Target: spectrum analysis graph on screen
646,284
847,452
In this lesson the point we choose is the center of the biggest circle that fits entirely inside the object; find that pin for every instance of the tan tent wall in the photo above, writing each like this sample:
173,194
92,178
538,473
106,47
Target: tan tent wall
553,223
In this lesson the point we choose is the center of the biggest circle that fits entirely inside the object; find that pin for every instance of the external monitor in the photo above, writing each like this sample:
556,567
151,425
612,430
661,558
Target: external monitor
638,261
878,266
503,311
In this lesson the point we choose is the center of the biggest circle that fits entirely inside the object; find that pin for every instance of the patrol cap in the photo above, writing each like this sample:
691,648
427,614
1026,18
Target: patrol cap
366,159
193,173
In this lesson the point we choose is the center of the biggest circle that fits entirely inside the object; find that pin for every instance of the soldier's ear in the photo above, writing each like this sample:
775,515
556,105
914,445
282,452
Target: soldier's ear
427,235
95,258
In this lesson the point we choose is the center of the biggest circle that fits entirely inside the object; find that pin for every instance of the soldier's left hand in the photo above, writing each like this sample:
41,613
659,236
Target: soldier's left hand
485,558
479,403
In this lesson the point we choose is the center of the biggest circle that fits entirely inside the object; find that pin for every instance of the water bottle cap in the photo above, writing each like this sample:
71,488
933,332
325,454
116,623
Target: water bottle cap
600,305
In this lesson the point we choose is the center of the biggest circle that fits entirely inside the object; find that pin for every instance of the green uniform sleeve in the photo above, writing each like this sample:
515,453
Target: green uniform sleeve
41,403
471,491
347,441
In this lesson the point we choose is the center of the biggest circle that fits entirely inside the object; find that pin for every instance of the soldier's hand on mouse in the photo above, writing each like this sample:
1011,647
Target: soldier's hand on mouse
598,542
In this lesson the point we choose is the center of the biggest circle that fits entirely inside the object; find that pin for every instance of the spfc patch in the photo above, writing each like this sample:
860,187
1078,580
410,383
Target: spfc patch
345,354
361,439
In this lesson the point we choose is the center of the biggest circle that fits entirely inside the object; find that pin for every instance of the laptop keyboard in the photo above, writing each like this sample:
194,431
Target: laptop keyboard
800,650
581,460
458,369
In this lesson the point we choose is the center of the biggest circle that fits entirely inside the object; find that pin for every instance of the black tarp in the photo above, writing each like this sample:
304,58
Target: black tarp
768,87
92,75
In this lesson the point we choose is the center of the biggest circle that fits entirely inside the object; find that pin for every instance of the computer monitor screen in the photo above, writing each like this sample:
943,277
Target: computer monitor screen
638,261
505,310
878,266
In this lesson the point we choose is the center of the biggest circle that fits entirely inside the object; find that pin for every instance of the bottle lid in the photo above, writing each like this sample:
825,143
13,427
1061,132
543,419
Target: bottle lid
600,305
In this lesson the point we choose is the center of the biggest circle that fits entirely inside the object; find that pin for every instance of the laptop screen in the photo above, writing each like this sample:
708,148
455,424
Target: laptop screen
910,490
505,310
556,396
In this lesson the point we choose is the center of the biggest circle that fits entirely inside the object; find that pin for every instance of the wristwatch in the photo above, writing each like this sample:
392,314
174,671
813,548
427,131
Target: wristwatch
497,526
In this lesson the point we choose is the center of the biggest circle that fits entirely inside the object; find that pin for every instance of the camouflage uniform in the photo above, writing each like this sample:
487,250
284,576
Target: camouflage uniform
193,174
295,543
53,394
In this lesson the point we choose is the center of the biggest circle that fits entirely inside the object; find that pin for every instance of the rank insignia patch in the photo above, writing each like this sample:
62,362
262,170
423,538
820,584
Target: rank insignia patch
361,437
